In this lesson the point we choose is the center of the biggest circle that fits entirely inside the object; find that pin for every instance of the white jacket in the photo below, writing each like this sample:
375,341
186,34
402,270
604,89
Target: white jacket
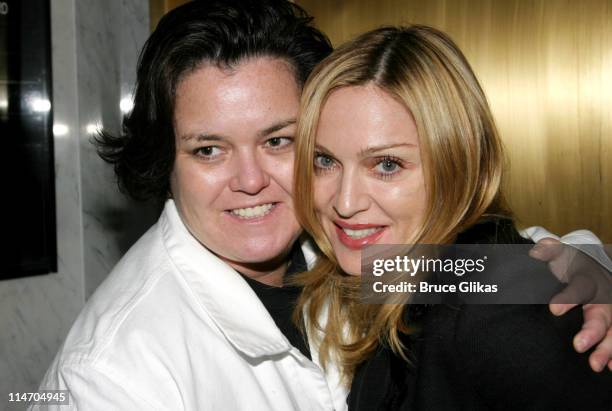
175,328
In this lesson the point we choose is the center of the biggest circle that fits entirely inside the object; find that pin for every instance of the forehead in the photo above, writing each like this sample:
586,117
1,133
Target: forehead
364,116
250,95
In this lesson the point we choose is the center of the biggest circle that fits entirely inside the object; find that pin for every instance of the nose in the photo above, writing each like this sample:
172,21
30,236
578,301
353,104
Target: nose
352,196
250,176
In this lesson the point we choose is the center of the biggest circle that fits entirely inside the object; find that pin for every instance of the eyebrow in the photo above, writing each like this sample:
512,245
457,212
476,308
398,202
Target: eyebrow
321,149
374,149
202,137
369,150
215,137
276,127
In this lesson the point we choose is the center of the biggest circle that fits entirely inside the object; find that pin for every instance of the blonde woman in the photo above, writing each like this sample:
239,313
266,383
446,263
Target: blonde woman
396,144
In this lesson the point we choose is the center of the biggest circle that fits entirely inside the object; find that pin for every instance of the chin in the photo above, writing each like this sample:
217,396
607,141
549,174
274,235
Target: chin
350,266
262,251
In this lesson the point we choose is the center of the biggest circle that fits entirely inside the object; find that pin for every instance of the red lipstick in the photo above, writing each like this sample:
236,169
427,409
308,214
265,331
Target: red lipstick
357,243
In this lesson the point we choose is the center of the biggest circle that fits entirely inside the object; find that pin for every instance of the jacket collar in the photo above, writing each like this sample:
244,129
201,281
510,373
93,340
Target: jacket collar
221,291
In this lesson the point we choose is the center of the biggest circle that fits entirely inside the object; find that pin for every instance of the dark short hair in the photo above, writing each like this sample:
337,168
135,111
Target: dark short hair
222,32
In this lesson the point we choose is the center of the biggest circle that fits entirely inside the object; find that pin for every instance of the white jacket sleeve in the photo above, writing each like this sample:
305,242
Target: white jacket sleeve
584,240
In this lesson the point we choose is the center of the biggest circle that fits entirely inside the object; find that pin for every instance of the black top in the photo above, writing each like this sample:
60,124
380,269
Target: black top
280,301
485,357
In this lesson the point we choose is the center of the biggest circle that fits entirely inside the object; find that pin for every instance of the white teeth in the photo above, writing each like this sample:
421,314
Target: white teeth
253,212
357,234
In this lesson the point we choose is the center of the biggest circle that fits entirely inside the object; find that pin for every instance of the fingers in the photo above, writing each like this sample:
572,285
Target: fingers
602,354
556,254
543,250
580,290
596,330
560,309
593,330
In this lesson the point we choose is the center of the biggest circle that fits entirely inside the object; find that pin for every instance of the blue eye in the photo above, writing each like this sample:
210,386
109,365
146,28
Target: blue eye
321,161
387,166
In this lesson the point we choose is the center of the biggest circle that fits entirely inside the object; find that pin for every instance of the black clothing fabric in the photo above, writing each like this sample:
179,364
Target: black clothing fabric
280,301
484,357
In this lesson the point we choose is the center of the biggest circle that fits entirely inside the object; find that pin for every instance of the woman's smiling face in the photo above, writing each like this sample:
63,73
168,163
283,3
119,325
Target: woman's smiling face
369,186
234,162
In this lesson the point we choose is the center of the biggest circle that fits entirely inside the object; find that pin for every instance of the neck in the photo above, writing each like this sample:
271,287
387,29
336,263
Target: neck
270,273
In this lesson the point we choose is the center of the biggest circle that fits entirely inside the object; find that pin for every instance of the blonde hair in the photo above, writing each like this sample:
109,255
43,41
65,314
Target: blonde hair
462,162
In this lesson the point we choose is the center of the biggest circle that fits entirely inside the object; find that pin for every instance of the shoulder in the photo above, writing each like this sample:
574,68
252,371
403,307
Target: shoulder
492,230
125,293
131,346
135,316
523,348
94,387
518,277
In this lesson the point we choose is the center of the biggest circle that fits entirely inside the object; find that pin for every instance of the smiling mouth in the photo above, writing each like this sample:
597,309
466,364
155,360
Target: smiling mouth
359,234
358,237
253,212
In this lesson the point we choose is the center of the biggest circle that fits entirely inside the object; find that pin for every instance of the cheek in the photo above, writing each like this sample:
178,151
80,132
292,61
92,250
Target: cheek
282,171
197,185
323,193
406,204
